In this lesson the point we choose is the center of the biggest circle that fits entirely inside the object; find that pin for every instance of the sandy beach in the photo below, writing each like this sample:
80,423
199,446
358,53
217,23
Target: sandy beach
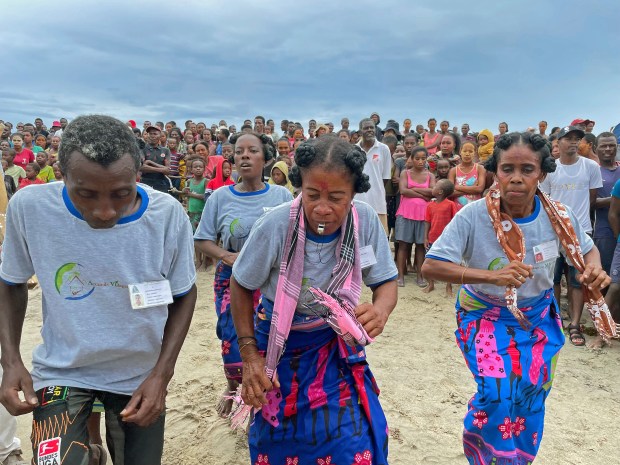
424,383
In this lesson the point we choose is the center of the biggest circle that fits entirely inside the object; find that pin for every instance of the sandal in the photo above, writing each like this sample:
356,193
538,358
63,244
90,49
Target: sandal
576,336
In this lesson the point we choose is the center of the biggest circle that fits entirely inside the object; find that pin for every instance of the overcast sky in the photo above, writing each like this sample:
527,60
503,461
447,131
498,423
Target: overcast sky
480,61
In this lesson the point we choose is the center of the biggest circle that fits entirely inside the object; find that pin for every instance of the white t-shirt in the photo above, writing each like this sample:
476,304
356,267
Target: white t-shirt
571,184
378,167
471,240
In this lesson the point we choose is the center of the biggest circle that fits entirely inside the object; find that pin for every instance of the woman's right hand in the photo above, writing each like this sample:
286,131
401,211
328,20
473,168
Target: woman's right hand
255,382
513,274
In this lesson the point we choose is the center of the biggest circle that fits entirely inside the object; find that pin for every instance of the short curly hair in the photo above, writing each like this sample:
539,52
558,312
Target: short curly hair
269,148
534,141
331,153
99,138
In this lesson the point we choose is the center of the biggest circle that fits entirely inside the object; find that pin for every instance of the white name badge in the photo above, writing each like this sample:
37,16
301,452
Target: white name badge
546,251
151,294
367,256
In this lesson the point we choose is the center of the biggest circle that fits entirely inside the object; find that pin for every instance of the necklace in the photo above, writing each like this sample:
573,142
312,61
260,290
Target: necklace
241,187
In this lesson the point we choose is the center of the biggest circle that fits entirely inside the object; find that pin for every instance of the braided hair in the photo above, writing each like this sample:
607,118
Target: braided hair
534,141
331,153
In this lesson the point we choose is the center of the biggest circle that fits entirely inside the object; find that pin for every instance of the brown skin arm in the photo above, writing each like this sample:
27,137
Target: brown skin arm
151,167
211,249
592,197
255,382
373,317
602,202
477,188
149,401
16,378
452,273
594,276
420,193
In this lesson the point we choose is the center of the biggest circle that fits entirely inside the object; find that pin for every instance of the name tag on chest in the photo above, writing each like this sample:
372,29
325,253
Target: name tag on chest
367,256
150,294
546,251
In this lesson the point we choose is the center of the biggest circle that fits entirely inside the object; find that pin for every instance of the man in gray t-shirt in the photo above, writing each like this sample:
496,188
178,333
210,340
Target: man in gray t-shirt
115,264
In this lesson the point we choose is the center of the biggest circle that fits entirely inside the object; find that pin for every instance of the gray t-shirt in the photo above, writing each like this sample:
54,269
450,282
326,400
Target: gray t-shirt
231,214
92,338
258,265
470,239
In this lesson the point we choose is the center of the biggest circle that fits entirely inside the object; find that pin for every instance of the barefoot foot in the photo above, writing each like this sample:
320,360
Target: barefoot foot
224,406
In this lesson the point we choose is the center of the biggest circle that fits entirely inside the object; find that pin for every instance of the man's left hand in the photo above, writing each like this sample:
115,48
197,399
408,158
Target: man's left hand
147,403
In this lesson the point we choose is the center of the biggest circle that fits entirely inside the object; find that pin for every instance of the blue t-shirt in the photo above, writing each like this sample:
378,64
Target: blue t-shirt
602,228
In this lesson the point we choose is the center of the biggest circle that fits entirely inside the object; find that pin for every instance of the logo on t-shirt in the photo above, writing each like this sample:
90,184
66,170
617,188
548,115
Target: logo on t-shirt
375,157
239,229
498,263
72,282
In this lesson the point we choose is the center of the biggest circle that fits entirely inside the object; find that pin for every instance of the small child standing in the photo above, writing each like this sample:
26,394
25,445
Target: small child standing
32,171
416,185
438,214
47,173
195,191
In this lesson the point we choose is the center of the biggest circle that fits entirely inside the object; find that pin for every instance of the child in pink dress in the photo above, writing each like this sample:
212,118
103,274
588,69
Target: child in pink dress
416,186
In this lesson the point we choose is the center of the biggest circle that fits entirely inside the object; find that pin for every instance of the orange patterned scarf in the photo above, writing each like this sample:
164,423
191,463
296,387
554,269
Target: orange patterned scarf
511,239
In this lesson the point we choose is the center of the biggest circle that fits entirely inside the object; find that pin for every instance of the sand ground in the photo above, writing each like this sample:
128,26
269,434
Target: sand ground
424,385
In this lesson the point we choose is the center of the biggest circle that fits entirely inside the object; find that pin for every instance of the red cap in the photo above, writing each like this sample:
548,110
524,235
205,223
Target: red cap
56,124
132,123
582,121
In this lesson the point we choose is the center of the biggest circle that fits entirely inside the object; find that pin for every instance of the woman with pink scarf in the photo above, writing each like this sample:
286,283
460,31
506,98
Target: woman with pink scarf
305,373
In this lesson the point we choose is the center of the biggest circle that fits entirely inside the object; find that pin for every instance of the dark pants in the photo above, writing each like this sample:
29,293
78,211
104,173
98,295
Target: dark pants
161,185
59,427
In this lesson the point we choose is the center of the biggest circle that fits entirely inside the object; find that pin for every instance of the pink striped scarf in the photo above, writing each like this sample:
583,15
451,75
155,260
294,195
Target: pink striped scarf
342,294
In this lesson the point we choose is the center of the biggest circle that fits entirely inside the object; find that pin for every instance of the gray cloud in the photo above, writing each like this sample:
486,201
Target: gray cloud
480,62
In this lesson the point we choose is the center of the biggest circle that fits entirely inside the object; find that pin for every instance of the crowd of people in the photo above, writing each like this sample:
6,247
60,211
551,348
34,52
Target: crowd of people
293,224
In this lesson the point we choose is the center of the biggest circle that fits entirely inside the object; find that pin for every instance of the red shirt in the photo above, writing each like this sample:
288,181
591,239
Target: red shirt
23,158
439,214
23,182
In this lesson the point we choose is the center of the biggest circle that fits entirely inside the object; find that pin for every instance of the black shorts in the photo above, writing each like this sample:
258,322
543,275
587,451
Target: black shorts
59,433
